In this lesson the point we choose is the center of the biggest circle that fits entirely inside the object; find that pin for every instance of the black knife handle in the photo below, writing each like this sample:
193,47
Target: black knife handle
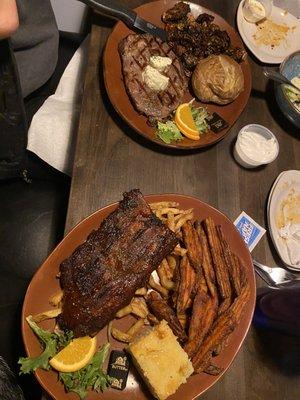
113,9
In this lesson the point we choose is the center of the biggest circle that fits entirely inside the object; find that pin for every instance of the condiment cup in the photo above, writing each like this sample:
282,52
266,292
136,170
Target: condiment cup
249,13
240,155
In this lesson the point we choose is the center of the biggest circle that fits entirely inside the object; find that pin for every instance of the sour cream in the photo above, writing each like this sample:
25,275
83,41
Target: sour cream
257,147
255,10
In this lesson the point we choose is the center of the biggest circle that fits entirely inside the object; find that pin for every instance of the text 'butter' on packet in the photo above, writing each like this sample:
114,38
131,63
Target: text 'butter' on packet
250,230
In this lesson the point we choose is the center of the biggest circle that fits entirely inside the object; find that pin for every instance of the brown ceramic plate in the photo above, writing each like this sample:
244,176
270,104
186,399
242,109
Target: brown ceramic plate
121,102
44,284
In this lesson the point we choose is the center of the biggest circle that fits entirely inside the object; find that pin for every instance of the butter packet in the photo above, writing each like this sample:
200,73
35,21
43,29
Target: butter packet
250,230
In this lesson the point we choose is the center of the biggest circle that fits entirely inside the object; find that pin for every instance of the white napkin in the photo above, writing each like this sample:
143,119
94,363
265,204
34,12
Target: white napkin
52,133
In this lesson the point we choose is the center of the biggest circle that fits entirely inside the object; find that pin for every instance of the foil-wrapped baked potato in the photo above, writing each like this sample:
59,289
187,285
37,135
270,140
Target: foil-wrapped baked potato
217,79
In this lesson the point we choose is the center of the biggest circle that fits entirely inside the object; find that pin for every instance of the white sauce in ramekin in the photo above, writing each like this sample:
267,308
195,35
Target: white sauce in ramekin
257,147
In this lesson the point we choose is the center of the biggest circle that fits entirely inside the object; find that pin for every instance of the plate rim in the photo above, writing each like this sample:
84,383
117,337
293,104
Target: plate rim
174,145
148,199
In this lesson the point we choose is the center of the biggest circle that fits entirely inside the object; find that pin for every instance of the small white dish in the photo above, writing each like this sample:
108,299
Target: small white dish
256,10
267,54
284,183
244,158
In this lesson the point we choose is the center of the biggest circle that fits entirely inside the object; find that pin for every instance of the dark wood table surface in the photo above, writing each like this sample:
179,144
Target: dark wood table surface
111,158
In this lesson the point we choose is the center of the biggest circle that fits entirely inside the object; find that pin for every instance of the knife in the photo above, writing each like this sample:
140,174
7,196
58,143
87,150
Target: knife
132,20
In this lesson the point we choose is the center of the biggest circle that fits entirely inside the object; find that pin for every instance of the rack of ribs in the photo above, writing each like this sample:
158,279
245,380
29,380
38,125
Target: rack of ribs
102,274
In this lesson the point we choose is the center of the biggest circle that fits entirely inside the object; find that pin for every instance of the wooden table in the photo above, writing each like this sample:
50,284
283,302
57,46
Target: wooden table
111,158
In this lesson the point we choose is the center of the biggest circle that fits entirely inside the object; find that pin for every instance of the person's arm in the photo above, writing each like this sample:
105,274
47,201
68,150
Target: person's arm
9,19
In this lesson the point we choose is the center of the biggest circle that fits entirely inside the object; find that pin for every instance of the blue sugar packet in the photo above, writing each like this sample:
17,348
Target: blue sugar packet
250,231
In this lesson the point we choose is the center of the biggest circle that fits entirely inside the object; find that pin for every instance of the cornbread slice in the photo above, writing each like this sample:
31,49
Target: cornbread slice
161,361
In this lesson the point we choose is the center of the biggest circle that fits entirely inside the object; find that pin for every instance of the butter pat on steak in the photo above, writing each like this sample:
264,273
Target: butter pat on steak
135,51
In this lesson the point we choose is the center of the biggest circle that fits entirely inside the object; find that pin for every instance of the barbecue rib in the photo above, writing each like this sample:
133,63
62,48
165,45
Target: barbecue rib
135,51
103,273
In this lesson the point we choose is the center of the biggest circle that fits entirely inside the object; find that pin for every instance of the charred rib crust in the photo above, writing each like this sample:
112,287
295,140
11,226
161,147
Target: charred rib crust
103,273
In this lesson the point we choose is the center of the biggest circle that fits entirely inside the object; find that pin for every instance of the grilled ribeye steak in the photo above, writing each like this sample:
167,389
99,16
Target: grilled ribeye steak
135,51
103,273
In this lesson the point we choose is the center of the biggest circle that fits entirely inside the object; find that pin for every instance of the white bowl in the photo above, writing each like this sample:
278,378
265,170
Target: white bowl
242,157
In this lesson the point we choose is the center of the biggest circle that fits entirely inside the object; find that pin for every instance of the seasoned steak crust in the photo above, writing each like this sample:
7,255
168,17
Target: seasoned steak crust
135,51
103,273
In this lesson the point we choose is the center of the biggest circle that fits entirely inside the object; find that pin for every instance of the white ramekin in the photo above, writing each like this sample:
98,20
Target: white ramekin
242,158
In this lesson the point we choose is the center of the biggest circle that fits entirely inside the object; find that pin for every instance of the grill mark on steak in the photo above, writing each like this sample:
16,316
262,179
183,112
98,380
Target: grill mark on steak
102,274
135,51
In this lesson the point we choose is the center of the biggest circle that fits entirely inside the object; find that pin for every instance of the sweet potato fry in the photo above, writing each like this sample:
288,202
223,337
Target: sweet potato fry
212,369
203,315
207,263
193,245
186,285
238,306
219,264
221,329
231,263
162,310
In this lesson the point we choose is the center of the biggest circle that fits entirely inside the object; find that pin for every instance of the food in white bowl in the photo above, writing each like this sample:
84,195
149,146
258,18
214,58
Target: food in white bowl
292,93
256,145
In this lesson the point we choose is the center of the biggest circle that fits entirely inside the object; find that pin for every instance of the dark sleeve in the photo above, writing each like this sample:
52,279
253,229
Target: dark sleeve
13,129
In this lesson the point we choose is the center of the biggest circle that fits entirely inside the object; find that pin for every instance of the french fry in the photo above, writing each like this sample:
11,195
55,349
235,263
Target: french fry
165,275
203,315
163,291
56,298
152,319
220,268
182,220
120,335
182,213
179,251
193,245
141,292
171,221
163,204
161,309
135,328
186,285
139,307
124,311
207,263
172,262
109,326
49,314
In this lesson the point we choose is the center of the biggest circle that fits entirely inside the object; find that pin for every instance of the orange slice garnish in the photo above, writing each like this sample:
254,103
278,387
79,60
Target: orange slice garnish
185,122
